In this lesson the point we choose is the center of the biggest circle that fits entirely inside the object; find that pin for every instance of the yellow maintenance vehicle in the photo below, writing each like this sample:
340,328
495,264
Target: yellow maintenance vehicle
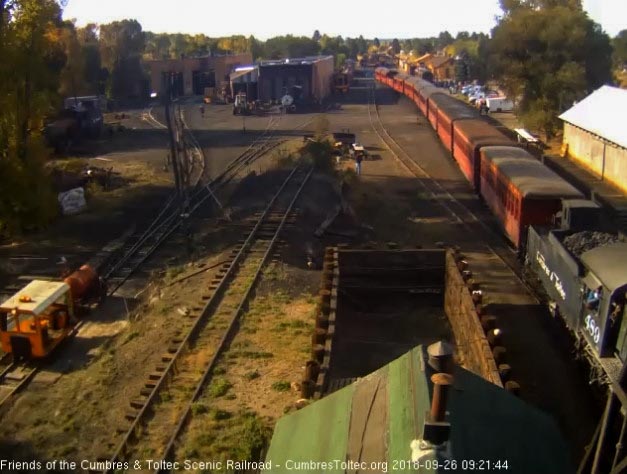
36,319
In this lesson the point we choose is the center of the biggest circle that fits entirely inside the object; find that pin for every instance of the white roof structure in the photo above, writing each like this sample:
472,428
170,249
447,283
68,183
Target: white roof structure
41,293
600,113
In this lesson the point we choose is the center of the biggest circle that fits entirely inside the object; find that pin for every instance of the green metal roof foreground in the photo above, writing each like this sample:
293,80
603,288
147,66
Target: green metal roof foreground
374,420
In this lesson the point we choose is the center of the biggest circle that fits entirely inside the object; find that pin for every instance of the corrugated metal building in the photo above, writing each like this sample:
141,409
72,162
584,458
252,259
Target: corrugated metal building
192,75
595,135
377,424
307,79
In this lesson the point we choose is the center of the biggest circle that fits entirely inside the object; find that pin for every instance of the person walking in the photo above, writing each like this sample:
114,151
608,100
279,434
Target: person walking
358,160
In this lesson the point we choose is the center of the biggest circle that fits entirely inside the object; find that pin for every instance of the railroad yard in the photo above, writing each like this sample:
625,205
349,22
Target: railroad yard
201,344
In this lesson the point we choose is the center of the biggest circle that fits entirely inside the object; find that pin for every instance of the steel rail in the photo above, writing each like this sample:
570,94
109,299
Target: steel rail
184,418
122,449
162,230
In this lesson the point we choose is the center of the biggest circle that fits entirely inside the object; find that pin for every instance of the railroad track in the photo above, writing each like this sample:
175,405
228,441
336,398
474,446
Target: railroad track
142,245
156,419
465,217
14,377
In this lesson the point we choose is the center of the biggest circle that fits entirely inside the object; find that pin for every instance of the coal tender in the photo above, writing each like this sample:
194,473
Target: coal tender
584,273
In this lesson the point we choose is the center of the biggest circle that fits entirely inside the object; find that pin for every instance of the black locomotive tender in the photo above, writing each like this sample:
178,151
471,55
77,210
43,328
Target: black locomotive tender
584,273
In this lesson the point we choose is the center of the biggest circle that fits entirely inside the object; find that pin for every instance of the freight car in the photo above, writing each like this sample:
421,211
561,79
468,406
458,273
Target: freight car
584,275
520,191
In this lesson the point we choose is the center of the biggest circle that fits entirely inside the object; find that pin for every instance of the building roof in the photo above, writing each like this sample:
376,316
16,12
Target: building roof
600,113
531,177
608,264
42,294
439,61
376,418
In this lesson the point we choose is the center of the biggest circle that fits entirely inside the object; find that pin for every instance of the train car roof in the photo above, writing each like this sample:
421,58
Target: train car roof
608,264
453,107
386,71
481,133
42,294
532,178
419,83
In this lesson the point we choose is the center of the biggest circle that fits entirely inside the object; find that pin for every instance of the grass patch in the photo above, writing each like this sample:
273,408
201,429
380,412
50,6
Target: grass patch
219,415
172,272
281,386
252,375
132,335
291,324
219,388
242,435
256,355
199,408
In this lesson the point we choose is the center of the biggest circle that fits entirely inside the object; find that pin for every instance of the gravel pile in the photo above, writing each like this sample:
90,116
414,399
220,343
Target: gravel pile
587,240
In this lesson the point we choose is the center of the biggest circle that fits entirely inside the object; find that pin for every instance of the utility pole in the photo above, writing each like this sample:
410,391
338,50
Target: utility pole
173,141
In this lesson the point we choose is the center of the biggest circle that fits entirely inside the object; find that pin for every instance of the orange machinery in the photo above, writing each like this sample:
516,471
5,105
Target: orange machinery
41,315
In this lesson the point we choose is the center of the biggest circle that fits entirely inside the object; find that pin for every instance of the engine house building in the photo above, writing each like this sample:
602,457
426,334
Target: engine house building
596,138
307,79
193,75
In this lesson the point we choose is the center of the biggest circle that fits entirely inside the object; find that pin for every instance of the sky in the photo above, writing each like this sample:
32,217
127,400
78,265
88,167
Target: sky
348,18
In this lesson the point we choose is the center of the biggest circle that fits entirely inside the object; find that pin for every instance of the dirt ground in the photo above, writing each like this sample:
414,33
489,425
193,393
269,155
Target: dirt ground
62,414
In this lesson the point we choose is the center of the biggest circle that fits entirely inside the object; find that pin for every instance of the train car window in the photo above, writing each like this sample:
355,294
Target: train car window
593,298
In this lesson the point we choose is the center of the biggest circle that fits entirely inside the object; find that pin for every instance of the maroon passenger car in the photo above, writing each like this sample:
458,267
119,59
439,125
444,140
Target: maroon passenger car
521,191
469,136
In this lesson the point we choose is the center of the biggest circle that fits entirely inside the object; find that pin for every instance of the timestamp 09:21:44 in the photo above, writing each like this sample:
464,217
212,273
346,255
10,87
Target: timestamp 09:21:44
479,465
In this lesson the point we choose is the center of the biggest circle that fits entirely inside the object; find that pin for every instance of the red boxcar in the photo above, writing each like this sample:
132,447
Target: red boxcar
450,110
468,137
520,190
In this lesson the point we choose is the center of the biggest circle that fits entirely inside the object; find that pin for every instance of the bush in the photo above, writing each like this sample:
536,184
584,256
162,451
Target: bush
321,154
27,200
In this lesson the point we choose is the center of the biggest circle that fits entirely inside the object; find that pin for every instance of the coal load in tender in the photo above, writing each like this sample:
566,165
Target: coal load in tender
587,240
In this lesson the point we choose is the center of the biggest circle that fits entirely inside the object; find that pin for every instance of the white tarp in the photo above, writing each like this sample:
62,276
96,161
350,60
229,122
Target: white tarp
72,201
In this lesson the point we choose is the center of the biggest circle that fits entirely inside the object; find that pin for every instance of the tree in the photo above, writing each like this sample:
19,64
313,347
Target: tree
122,45
462,73
620,49
396,46
548,53
290,46
376,42
316,36
33,57
444,39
